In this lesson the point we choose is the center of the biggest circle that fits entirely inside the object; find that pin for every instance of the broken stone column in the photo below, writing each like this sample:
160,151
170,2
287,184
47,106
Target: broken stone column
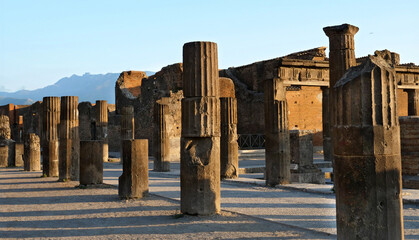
6,144
229,147
91,162
32,157
19,151
412,102
200,140
341,58
50,124
161,136
301,142
277,137
367,165
133,183
69,139
101,110
409,139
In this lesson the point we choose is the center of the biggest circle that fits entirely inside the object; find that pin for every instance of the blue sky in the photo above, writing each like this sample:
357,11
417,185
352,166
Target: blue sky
42,41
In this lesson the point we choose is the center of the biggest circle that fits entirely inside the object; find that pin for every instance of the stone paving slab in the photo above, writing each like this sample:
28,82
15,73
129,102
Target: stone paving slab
306,206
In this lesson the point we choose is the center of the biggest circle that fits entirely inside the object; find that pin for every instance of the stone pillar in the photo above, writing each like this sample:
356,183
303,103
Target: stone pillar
409,139
161,137
200,139
127,123
229,146
7,145
101,110
19,151
367,165
412,102
277,137
341,58
69,139
32,157
327,140
91,162
50,123
133,183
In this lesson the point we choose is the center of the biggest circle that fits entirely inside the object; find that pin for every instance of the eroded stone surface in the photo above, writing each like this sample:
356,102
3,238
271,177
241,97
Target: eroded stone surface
229,147
367,165
91,162
32,156
133,183
50,125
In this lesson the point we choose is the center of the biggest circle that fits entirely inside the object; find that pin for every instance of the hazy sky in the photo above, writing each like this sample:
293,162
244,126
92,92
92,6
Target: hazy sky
43,41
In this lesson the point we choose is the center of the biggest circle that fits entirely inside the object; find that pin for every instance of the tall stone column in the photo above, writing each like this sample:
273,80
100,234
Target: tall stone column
32,157
133,183
69,139
367,165
200,139
50,124
277,137
161,137
229,146
101,111
341,58
91,162
327,140
412,102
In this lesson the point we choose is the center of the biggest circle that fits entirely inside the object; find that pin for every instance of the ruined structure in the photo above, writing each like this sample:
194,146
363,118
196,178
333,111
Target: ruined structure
91,162
6,144
277,145
229,147
301,142
200,141
133,183
135,89
367,168
50,124
69,139
32,157
127,123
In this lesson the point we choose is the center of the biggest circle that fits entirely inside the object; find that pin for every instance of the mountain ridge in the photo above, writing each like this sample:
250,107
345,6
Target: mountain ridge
88,87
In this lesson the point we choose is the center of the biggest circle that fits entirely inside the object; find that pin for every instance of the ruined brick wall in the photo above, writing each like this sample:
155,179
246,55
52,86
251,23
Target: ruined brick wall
165,83
409,139
305,111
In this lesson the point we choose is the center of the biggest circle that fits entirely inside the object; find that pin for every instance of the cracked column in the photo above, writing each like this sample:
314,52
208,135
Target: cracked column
91,162
101,111
341,58
200,139
161,136
32,156
127,126
367,164
229,147
69,139
277,136
50,142
327,141
133,183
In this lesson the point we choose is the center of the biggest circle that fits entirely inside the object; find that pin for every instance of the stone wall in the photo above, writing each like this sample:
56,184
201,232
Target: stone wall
409,136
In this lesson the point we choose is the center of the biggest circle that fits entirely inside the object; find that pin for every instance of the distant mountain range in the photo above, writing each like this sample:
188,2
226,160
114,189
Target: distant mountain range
89,87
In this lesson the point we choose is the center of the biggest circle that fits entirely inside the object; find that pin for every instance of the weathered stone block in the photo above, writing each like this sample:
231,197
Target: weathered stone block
201,117
91,162
301,142
19,151
200,69
133,183
50,155
32,159
200,175
4,127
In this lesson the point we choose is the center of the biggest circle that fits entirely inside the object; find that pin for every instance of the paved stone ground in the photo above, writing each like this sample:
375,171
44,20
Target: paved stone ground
42,208
38,208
